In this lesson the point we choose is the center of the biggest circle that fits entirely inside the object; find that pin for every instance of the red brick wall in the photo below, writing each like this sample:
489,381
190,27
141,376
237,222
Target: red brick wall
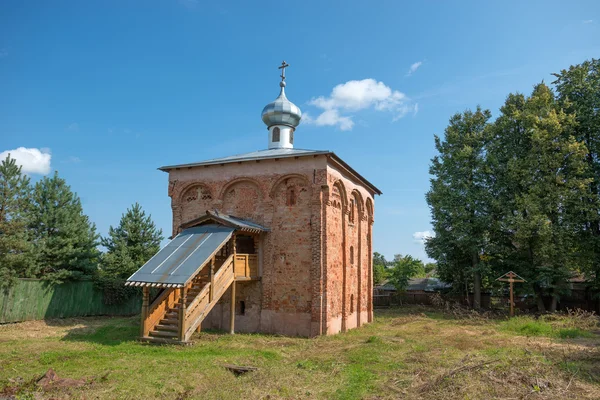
308,286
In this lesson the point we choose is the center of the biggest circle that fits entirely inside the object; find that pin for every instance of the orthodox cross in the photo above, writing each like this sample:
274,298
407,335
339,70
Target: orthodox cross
510,278
284,65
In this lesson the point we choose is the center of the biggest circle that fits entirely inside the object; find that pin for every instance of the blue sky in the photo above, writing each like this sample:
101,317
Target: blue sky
107,91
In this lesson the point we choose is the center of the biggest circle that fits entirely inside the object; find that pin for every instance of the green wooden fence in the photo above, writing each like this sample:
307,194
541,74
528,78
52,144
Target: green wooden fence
32,299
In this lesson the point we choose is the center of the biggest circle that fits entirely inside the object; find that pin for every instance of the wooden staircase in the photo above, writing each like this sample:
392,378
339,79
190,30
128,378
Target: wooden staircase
178,312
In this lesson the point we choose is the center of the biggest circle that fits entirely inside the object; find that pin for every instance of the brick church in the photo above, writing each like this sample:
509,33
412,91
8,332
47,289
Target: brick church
274,241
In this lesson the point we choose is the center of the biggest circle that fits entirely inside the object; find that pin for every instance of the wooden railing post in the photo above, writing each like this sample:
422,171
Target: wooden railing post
182,311
145,304
211,273
232,309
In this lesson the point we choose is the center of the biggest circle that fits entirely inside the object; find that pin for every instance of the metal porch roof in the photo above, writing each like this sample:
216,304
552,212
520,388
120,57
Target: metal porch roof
182,258
215,216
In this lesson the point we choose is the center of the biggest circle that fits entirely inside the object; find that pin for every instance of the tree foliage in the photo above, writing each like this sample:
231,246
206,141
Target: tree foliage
459,199
522,193
65,240
128,246
380,272
15,247
405,268
578,93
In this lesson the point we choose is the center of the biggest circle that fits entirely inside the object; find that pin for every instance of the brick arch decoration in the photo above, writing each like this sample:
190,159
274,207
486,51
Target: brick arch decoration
194,199
339,197
369,206
360,204
283,180
235,181
242,197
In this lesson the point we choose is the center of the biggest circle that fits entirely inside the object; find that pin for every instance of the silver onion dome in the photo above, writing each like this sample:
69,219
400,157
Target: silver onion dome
281,111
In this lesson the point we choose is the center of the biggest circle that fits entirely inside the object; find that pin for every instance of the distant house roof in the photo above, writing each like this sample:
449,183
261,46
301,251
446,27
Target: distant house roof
274,154
417,284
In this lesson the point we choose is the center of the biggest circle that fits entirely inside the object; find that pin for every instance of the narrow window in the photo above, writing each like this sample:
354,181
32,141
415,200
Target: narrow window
351,254
352,211
291,197
276,134
351,303
291,136
242,307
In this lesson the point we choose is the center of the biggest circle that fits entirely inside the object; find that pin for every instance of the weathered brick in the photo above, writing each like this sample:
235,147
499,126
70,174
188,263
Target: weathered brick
315,262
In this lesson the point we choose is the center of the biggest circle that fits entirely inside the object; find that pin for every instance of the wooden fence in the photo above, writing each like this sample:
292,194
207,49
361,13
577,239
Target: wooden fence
32,299
487,301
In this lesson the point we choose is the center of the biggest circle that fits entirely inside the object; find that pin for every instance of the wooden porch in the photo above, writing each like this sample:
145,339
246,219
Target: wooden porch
178,312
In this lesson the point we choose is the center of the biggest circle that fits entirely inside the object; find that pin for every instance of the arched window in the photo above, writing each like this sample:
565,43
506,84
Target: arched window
351,303
276,134
351,254
352,206
291,136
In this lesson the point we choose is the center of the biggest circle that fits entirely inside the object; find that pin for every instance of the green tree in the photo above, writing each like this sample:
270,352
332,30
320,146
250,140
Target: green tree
65,239
578,93
404,269
128,246
538,169
379,268
15,248
459,200
430,268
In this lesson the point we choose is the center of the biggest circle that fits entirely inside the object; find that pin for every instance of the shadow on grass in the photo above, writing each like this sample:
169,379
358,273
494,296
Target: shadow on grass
108,332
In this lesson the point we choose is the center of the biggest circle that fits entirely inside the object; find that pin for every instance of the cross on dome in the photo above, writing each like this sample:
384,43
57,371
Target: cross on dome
281,117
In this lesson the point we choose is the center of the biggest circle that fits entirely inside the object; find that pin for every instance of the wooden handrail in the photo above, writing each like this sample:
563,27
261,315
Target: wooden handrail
223,266
201,303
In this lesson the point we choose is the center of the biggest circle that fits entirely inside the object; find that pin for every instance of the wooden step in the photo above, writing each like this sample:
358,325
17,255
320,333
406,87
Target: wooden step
161,327
166,334
169,321
160,340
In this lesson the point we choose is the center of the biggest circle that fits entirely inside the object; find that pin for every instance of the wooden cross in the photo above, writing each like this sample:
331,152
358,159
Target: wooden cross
510,278
283,66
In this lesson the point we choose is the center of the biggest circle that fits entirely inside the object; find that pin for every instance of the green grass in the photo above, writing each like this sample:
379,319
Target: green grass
529,326
410,353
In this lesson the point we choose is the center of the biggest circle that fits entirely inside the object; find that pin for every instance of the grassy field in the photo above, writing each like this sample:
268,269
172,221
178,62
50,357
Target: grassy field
412,353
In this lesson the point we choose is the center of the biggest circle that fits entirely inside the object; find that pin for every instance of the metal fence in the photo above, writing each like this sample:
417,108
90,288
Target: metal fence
32,299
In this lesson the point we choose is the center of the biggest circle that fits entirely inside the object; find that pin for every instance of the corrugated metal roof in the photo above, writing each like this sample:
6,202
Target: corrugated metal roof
181,259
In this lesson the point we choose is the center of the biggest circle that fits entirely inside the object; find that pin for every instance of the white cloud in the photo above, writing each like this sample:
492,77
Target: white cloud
32,161
588,21
414,67
354,96
73,127
421,237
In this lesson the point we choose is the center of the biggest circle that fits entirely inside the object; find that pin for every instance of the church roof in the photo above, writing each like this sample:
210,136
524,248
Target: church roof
255,155
272,154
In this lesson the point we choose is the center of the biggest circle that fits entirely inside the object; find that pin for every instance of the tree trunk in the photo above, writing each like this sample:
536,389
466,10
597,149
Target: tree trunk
476,284
553,304
538,298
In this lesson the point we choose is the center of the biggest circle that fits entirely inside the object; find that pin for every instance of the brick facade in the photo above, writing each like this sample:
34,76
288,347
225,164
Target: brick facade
315,263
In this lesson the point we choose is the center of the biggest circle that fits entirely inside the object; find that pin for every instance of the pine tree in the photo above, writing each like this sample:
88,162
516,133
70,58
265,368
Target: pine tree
130,244
459,201
15,248
538,169
64,237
